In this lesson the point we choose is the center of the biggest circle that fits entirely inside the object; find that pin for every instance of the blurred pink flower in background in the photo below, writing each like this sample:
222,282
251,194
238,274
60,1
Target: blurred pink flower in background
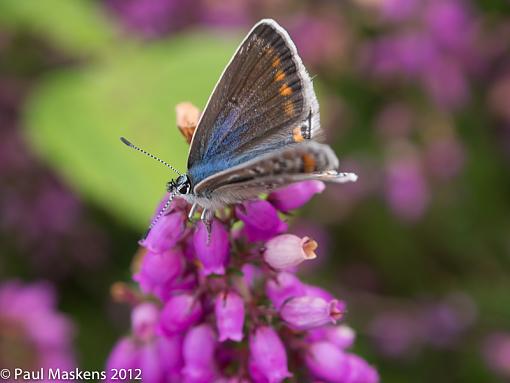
322,39
404,330
154,18
41,217
445,157
496,352
433,44
406,188
30,324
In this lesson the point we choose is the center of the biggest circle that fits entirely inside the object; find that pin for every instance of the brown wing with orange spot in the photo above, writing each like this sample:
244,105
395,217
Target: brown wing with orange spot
263,96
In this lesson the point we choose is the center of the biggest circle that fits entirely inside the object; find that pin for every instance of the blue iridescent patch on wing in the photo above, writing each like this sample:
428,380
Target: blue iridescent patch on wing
216,164
224,149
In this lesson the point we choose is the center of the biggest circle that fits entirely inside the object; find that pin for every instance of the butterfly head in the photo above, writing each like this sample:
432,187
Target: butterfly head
181,185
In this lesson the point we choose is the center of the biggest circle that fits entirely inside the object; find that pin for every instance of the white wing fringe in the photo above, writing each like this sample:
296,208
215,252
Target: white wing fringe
334,176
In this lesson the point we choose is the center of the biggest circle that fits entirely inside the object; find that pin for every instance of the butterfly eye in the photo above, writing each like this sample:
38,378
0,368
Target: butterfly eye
183,189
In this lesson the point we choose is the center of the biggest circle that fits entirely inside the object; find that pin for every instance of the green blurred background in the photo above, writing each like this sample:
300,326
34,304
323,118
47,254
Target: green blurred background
415,97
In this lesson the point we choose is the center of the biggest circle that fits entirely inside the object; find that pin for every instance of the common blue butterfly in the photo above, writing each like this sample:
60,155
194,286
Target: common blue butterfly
259,130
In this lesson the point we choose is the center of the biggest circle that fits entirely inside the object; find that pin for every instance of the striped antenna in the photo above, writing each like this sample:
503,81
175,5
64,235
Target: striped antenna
160,214
127,143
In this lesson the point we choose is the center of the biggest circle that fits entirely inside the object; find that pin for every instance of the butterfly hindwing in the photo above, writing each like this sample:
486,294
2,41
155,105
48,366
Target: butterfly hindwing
263,102
297,162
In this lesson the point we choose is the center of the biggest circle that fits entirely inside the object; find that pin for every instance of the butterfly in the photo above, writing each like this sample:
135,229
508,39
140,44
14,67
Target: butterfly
259,131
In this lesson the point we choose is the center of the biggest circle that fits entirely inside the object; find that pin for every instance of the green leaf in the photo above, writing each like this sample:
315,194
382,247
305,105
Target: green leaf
77,26
76,117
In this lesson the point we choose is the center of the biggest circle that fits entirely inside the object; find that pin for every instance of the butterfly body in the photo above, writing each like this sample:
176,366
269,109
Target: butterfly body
259,130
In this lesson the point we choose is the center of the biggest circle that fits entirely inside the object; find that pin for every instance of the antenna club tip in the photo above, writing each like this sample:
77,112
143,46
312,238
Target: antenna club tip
125,141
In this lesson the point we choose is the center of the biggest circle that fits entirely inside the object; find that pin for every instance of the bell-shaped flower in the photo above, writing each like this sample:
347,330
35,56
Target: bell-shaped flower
286,251
198,351
158,272
144,320
261,220
124,355
327,362
295,195
341,336
229,310
212,250
360,371
179,313
166,233
268,355
305,313
284,287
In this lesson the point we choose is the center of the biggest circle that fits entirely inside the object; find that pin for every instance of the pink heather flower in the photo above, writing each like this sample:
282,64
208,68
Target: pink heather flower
234,379
158,272
166,233
360,371
331,364
229,310
295,195
144,320
315,291
123,355
406,189
159,358
496,352
398,10
304,313
152,19
43,336
284,287
395,333
341,336
212,252
268,355
287,251
198,350
261,220
327,362
182,337
445,157
179,313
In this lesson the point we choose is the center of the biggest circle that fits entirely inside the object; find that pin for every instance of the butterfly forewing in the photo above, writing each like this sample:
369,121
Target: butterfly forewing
264,101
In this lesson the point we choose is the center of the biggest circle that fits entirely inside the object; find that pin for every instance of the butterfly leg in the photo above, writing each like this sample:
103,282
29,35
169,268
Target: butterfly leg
192,211
206,219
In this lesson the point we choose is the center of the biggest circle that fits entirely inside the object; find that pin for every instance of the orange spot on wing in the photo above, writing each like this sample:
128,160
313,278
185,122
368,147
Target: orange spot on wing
296,134
285,90
276,62
288,108
308,163
280,75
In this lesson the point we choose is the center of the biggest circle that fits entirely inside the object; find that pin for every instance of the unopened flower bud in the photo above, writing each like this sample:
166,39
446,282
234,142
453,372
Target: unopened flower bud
304,313
287,251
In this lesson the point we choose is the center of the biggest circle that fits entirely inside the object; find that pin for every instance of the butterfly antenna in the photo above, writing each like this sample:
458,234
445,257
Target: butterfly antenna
160,214
127,143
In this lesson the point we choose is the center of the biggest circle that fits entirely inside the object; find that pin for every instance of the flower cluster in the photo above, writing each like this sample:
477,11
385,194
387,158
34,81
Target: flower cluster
432,43
229,307
32,334
405,330
41,218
